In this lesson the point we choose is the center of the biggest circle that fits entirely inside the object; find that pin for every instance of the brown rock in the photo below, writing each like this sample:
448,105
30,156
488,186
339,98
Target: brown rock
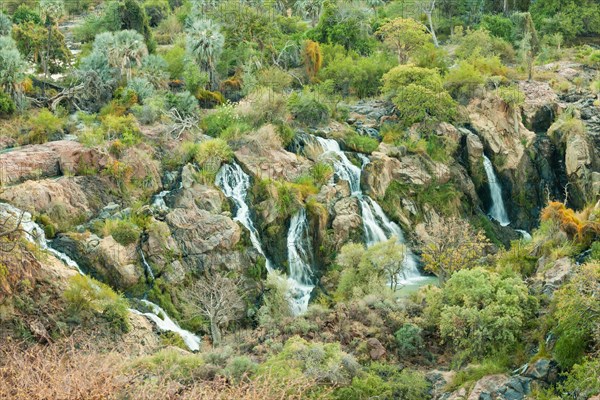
272,164
376,349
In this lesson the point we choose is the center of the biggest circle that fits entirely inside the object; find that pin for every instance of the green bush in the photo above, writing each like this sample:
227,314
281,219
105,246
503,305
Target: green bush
386,382
409,340
321,173
171,363
306,108
483,313
212,153
499,26
240,368
360,143
44,126
582,381
7,106
86,296
326,363
219,120
462,81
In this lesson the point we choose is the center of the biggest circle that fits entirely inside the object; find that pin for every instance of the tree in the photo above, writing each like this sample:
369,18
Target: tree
404,36
12,66
389,258
452,245
5,25
418,95
309,9
52,11
529,45
204,42
120,50
428,8
218,299
480,313
313,59
514,98
32,42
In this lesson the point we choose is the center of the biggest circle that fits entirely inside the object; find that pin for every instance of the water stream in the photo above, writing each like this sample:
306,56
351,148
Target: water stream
497,211
376,225
35,234
235,183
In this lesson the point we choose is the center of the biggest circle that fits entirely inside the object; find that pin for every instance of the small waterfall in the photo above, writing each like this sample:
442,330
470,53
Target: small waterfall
497,211
235,183
147,266
35,234
299,259
166,324
376,225
159,201
525,235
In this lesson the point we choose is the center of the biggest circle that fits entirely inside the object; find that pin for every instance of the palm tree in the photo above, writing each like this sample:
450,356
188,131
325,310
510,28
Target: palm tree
127,49
51,11
204,42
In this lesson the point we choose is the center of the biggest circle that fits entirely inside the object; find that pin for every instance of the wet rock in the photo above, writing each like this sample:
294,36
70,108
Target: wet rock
543,369
474,152
347,222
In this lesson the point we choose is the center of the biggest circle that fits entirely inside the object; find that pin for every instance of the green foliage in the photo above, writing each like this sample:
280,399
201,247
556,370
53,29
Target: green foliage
44,126
172,363
409,340
582,381
86,296
5,24
577,315
321,173
482,313
462,81
571,18
418,95
479,42
156,10
212,153
499,26
276,306
473,373
344,24
7,106
386,382
361,143
325,362
404,37
240,368
125,232
25,14
219,120
306,108
12,65
32,41
184,102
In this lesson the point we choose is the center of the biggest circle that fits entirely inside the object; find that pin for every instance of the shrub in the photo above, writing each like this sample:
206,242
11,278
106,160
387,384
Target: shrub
171,364
184,102
7,106
462,81
324,362
577,315
582,381
321,173
240,368
409,340
44,126
386,382
307,109
215,123
86,296
212,153
360,143
483,313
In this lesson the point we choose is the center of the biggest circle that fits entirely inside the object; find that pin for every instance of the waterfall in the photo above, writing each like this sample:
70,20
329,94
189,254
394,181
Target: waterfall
299,258
376,225
166,324
525,235
146,265
35,234
235,183
159,201
497,211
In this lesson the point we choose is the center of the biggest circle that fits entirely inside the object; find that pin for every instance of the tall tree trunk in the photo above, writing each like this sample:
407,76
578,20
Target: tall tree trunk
505,7
433,35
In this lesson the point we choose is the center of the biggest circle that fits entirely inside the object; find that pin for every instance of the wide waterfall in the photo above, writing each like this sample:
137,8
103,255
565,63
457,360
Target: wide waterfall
497,210
376,225
234,183
35,234
299,261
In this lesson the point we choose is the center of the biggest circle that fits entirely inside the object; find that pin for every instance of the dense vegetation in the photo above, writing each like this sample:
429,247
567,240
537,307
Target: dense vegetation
160,94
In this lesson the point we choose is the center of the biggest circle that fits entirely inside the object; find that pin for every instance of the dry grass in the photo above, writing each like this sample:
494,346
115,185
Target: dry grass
62,371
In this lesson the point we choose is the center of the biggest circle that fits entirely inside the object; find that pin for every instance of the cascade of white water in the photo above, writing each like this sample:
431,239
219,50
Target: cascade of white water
376,225
35,234
235,183
525,235
497,211
159,200
166,324
146,265
299,257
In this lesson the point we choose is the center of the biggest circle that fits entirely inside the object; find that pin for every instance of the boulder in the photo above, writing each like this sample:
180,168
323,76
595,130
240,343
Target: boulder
541,105
474,152
495,387
347,222
556,275
79,195
376,349
543,369
382,170
272,163
48,160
